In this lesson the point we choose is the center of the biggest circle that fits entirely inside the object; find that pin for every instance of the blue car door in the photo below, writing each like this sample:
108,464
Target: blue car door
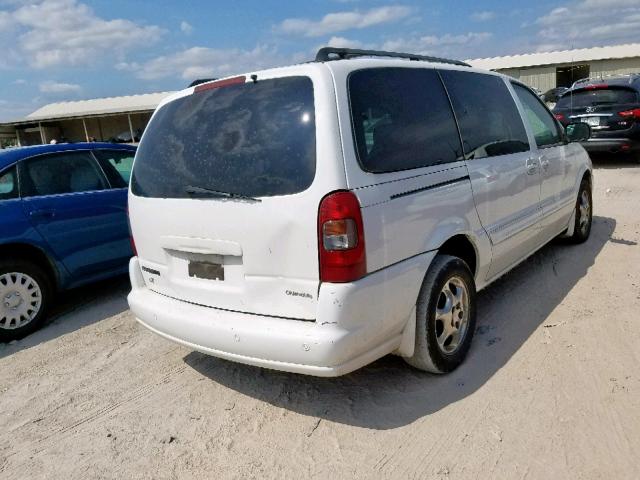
69,200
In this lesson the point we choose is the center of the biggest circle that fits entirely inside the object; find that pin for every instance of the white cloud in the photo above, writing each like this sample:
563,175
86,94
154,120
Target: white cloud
5,21
483,16
437,45
65,32
341,21
186,27
204,62
344,43
58,87
585,23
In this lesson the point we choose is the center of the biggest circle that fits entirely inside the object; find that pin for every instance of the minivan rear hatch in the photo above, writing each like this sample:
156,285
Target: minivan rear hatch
225,192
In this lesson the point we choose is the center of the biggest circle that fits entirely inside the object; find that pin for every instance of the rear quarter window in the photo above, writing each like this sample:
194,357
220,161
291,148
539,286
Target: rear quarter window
401,119
116,164
255,139
8,184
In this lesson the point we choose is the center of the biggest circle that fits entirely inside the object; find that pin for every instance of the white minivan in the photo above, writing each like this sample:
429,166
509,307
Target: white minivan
316,217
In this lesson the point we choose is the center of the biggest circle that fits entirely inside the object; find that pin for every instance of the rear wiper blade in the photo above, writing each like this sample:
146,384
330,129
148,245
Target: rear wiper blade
195,190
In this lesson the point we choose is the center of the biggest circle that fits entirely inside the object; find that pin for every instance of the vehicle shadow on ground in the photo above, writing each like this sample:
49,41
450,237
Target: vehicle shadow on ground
75,309
388,393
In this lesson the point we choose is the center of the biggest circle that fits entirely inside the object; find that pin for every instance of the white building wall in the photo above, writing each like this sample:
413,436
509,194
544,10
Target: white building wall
544,77
615,67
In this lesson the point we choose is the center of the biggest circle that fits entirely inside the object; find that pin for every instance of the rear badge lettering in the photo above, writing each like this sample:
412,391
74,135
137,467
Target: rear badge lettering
291,293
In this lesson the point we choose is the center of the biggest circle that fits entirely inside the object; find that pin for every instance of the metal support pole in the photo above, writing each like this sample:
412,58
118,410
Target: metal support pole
18,137
86,134
133,140
42,135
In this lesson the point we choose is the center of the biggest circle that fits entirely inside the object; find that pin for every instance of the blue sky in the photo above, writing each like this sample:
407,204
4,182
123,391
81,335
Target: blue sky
56,50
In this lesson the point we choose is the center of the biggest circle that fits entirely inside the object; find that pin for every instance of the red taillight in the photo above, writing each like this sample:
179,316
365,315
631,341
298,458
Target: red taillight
559,117
635,114
221,83
341,238
597,86
131,240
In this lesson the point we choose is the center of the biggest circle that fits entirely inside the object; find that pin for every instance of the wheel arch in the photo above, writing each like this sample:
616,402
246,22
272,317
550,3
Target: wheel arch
34,254
461,246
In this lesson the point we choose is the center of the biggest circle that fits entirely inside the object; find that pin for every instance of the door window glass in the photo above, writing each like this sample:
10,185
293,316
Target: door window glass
116,165
544,127
402,119
67,172
8,184
490,124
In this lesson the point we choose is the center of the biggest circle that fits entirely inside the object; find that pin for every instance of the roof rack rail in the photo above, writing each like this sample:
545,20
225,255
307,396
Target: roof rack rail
580,81
327,54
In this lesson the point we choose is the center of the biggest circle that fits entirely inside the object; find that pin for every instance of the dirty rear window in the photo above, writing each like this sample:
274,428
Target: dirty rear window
254,139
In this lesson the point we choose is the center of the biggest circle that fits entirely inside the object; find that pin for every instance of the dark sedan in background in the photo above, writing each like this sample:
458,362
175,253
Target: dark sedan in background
611,107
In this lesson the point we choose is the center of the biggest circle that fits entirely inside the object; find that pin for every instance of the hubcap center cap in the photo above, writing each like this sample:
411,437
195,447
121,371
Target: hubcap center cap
13,300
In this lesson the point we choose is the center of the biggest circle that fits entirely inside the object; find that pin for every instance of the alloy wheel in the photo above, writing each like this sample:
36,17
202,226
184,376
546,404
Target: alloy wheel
584,210
452,315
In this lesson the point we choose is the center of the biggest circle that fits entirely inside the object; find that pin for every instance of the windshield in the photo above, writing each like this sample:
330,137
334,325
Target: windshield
588,98
250,139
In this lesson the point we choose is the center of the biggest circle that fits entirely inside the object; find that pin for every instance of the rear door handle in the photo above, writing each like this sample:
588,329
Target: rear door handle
44,214
544,163
532,166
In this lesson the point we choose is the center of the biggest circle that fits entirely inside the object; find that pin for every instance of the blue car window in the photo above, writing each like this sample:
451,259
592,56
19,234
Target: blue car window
59,173
8,184
116,165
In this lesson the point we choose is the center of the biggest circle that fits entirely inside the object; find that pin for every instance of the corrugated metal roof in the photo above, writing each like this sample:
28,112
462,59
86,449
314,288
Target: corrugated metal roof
98,106
561,56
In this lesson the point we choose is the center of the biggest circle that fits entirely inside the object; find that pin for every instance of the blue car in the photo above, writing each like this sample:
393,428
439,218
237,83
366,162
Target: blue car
63,223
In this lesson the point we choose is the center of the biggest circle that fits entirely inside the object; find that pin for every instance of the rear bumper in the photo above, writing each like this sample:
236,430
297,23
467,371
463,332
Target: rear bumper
357,323
611,145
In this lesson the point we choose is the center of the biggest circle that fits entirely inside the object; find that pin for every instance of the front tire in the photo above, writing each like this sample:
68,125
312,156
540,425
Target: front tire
583,213
25,294
445,316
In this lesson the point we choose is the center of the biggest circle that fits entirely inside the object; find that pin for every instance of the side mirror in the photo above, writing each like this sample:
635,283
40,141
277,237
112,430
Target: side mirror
578,132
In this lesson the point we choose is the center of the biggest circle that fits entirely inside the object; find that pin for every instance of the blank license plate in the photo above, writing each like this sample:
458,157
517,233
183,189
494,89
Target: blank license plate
592,121
206,270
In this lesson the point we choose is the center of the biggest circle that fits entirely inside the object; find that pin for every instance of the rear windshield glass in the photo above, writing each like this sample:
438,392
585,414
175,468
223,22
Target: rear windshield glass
254,139
588,98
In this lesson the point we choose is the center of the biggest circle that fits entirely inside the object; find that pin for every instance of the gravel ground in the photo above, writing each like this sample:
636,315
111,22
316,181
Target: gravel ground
551,388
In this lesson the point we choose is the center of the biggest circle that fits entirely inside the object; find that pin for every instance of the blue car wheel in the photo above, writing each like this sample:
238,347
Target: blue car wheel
25,294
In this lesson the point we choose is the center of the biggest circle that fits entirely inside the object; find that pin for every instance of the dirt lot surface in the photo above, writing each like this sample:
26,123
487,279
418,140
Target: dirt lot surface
551,389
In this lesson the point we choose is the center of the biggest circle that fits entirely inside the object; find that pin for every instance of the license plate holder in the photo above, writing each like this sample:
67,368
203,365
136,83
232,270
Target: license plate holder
206,270
591,121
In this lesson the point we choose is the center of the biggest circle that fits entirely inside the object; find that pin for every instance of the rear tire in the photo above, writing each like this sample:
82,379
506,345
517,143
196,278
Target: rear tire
583,214
25,295
445,316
